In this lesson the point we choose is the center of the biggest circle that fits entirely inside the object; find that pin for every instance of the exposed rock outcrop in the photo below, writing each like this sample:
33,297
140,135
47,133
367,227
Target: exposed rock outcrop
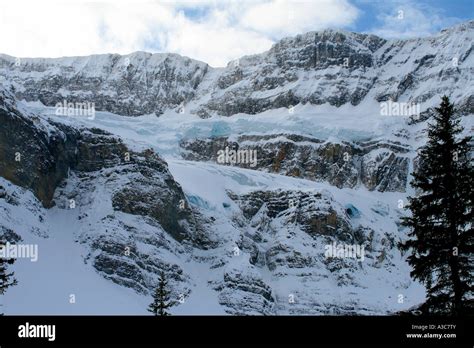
377,165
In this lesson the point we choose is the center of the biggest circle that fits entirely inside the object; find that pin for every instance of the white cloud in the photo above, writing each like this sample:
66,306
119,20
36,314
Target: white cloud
404,19
293,17
213,31
214,44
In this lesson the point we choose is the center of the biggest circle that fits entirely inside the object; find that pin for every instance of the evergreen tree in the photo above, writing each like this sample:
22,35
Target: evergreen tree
161,298
441,229
6,279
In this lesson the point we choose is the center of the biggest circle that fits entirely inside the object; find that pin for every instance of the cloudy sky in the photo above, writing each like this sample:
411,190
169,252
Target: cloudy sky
214,31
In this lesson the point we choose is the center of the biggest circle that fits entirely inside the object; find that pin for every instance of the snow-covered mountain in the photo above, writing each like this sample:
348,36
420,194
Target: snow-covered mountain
113,200
136,84
332,66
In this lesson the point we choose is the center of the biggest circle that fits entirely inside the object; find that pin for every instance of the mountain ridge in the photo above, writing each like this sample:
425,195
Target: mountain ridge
460,26
295,70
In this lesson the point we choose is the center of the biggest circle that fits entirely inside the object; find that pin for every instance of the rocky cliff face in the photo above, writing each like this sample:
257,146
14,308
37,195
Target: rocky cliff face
273,221
332,66
339,67
377,165
33,154
90,171
137,84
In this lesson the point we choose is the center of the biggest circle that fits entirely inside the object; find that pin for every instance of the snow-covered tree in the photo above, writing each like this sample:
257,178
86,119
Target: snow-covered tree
161,298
